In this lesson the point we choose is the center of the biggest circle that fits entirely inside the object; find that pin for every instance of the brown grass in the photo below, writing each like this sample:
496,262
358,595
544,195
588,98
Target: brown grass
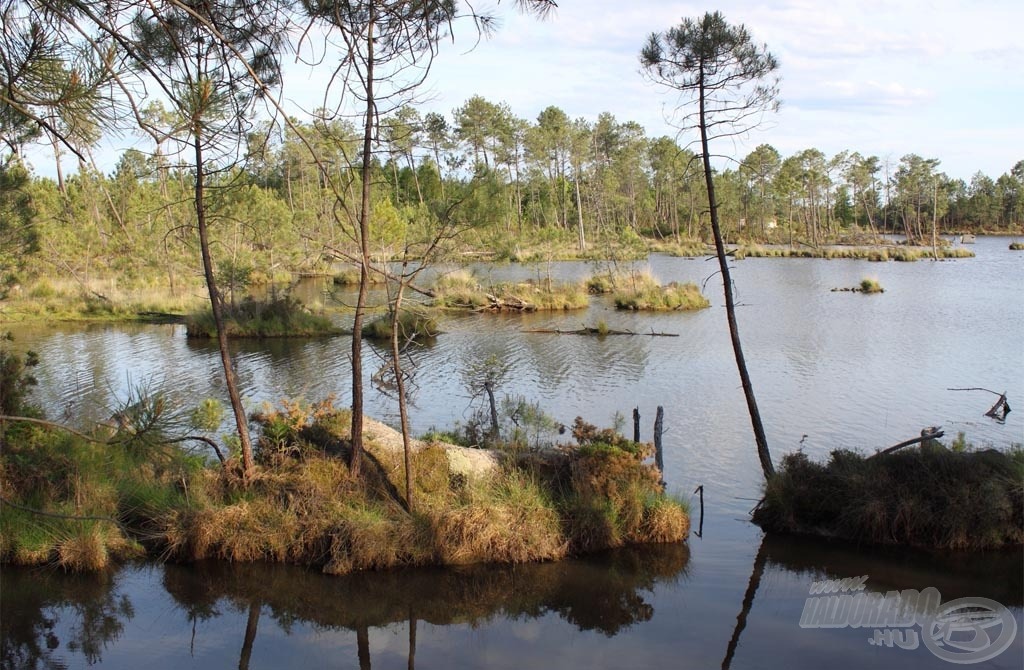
304,506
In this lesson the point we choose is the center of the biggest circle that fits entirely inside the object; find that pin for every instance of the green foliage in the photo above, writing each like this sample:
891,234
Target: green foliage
18,235
207,415
16,380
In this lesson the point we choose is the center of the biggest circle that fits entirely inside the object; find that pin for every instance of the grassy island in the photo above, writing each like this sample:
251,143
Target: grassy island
281,317
460,290
870,253
933,497
643,292
83,501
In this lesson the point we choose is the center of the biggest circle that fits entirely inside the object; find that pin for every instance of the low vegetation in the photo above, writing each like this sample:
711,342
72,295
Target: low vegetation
1016,246
931,497
412,324
350,277
82,502
873,253
460,290
64,300
643,292
868,285
280,317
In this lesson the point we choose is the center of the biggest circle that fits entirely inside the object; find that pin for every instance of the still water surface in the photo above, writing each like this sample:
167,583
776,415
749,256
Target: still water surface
831,369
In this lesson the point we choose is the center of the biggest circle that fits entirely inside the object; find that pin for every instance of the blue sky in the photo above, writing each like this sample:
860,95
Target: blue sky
943,79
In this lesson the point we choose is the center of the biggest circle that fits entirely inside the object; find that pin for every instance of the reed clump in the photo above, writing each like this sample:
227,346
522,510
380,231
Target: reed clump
460,290
869,285
931,497
280,317
642,292
412,325
872,253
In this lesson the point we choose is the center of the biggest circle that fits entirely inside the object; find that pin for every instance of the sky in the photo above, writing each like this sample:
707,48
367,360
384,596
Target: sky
941,78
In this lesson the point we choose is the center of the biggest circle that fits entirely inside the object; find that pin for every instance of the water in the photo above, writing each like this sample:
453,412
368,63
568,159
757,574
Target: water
831,369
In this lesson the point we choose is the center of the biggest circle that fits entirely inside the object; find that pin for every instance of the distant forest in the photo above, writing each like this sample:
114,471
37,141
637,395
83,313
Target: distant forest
512,183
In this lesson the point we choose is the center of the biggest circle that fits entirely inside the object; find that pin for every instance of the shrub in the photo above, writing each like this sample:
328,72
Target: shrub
931,497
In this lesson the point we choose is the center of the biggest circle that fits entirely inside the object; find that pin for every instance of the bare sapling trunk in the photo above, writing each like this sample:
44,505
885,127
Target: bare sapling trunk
396,366
216,307
356,457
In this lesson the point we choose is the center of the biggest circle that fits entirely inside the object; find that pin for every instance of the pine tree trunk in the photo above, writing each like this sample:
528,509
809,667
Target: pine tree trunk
730,307
356,458
241,423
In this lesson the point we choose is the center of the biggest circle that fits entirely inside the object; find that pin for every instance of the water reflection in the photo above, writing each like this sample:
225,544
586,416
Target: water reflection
604,593
45,616
954,575
51,619
996,575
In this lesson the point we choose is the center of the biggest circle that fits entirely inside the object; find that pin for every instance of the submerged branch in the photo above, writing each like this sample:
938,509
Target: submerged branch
931,433
587,330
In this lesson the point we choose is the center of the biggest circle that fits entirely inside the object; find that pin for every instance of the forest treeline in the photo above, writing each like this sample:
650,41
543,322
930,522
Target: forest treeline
514,185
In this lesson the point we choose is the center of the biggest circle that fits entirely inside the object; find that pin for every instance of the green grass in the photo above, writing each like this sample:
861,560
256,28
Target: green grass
462,291
283,317
868,285
63,300
411,324
642,292
873,253
350,277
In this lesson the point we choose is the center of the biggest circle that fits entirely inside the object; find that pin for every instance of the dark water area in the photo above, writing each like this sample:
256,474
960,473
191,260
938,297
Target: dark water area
831,369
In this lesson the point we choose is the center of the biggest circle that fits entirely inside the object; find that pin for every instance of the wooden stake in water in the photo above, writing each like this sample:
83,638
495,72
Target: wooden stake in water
659,457
636,424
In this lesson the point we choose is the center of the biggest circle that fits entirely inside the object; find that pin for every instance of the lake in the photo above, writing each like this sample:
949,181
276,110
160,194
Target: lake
830,369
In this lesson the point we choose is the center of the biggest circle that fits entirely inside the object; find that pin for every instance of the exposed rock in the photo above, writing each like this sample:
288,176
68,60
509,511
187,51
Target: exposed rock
466,461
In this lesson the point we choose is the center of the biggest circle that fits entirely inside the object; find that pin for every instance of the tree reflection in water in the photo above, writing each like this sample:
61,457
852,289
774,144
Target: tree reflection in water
955,575
36,602
604,593
51,620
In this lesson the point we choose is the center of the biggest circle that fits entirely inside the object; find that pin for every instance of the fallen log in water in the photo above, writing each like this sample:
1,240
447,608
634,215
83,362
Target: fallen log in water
507,304
587,330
